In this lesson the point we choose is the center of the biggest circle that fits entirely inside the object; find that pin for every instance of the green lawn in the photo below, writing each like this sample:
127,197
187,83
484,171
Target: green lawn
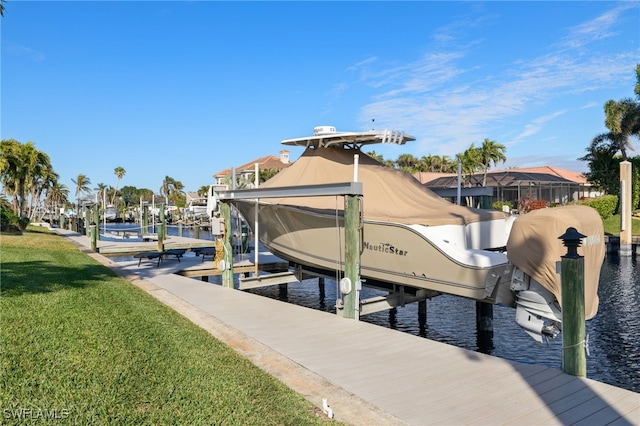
83,345
612,226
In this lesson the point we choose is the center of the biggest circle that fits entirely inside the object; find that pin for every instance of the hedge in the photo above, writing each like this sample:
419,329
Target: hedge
605,205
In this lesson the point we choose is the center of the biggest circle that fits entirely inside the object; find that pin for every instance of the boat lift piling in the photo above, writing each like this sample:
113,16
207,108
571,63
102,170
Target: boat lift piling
352,191
626,184
574,342
95,229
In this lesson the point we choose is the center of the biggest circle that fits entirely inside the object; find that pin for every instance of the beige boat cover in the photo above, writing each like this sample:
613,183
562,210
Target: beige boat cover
535,249
389,195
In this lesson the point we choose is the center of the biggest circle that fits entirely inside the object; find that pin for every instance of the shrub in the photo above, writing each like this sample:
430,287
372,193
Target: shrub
9,221
605,205
499,204
527,205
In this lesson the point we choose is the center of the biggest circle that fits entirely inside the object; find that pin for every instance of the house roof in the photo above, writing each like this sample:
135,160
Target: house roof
426,177
509,177
268,162
193,196
576,177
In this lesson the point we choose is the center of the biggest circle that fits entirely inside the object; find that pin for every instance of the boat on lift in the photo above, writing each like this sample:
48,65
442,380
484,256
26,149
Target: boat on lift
413,238
111,213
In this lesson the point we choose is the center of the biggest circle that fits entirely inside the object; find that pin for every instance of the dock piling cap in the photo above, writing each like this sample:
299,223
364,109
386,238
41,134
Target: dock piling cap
571,240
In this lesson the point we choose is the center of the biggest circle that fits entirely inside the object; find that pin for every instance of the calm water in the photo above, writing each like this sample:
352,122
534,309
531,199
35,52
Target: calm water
614,334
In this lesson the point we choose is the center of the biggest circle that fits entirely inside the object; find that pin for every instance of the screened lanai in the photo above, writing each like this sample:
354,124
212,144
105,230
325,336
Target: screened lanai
514,185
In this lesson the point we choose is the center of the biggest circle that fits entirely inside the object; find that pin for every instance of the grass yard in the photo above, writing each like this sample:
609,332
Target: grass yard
87,347
612,225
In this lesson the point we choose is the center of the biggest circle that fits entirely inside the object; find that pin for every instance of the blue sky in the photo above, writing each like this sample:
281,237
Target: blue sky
186,89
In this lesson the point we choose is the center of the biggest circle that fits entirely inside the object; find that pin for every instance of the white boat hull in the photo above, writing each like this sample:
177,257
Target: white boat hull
392,253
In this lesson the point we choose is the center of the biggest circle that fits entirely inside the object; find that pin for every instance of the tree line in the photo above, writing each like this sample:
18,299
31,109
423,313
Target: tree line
30,181
472,160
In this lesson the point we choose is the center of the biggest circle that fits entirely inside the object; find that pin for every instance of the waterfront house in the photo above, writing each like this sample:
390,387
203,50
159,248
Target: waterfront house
551,184
245,171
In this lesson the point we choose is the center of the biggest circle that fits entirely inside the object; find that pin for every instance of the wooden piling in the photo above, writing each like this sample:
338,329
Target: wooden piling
574,360
227,273
626,184
351,299
145,220
283,291
161,229
87,220
94,234
422,312
484,317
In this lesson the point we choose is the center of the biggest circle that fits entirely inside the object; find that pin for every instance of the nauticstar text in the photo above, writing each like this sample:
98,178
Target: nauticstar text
384,248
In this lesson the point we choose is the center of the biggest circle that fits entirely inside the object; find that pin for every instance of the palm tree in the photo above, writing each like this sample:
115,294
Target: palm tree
429,163
376,156
18,165
42,178
636,89
242,181
2,8
447,165
167,186
203,190
470,160
604,166
172,189
82,183
407,162
119,172
57,195
622,119
266,174
101,188
179,195
490,152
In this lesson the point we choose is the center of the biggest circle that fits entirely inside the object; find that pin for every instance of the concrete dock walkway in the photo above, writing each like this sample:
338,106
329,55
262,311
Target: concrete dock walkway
372,375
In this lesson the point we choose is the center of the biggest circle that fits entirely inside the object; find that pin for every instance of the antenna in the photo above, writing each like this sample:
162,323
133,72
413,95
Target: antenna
373,127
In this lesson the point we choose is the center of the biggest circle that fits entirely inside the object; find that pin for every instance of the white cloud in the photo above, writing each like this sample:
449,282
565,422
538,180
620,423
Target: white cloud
590,105
357,66
601,27
24,51
447,106
535,126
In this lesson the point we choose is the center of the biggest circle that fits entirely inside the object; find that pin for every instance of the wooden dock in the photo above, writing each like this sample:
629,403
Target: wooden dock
267,263
128,248
372,375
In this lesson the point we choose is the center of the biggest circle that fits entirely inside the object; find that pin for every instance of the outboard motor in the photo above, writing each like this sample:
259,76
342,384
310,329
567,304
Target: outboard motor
535,248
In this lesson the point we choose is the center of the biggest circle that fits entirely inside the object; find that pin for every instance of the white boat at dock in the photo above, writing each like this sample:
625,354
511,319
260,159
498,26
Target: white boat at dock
111,213
414,240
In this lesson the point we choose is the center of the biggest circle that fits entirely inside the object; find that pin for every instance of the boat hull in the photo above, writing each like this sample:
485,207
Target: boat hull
391,253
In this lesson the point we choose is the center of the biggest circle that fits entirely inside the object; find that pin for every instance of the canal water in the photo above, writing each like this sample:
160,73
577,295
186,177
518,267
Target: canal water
613,334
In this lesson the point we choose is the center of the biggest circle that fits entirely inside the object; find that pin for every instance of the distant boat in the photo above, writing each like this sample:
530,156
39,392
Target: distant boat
111,213
412,237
